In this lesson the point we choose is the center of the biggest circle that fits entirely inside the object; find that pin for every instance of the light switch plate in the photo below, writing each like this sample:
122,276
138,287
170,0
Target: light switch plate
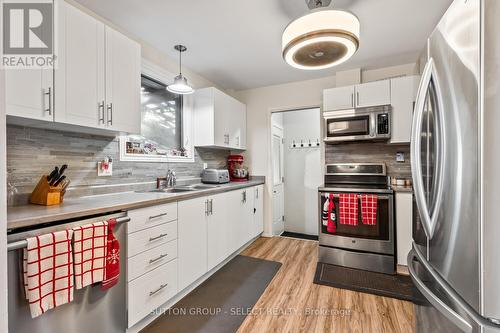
102,172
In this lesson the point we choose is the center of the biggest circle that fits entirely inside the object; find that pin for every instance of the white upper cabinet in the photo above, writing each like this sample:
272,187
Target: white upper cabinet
373,93
220,120
123,84
96,83
338,98
403,91
29,93
360,95
80,78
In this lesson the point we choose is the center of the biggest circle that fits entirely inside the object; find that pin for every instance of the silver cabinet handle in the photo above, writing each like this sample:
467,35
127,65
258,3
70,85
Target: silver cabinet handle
158,258
352,99
206,207
100,110
49,93
157,216
157,237
211,206
244,196
110,114
357,98
433,299
151,293
257,193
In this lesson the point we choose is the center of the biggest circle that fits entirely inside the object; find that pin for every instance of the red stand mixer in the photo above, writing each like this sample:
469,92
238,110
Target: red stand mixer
237,172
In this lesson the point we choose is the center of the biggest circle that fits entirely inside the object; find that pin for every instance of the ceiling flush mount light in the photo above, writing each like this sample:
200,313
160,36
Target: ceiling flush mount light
321,39
180,85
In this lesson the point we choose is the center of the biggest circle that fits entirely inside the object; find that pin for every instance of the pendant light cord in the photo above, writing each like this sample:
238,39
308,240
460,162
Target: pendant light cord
180,62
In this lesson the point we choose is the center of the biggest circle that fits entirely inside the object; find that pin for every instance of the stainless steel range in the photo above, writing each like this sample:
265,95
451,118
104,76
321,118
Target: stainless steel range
358,245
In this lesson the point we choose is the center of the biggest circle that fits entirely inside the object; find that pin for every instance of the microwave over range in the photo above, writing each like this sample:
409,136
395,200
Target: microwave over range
372,123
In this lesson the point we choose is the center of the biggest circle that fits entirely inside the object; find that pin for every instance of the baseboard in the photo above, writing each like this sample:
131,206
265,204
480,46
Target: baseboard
161,309
402,270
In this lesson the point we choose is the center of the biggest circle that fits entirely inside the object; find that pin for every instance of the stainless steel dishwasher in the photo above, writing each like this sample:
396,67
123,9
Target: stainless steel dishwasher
92,310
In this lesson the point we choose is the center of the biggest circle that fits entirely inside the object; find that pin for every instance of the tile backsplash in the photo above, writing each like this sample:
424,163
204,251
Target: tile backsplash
32,152
371,152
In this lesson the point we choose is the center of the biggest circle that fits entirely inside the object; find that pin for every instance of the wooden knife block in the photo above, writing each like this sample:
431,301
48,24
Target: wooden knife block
46,195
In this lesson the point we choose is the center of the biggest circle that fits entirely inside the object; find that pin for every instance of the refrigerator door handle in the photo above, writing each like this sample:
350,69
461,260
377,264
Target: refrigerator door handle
433,299
429,219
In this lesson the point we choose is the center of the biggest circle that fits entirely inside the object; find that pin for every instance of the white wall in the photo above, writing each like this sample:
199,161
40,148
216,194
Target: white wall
290,96
303,170
3,210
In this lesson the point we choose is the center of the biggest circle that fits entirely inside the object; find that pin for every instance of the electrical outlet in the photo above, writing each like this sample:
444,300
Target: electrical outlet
105,167
205,165
400,157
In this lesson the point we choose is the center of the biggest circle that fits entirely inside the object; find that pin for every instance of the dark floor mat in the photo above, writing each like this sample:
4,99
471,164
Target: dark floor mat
226,297
395,286
299,236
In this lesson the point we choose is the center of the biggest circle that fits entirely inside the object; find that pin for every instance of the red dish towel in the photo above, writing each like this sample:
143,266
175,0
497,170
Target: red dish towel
90,253
369,209
48,271
112,269
348,208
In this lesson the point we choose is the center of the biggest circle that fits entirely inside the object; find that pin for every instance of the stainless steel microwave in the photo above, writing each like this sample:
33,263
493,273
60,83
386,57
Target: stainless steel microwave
372,123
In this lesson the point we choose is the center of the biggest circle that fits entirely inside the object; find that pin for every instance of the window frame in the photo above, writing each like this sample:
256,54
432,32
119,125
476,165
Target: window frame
158,73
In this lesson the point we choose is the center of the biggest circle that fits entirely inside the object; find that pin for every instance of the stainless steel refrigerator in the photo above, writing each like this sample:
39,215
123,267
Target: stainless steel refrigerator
455,151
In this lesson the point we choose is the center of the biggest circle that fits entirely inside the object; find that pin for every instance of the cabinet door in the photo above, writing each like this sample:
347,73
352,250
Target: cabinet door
219,229
29,93
222,116
237,123
403,93
123,83
373,93
404,216
80,76
338,98
258,217
192,240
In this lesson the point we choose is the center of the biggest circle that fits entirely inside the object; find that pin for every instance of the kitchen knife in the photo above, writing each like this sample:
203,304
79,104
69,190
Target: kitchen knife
57,182
63,168
53,174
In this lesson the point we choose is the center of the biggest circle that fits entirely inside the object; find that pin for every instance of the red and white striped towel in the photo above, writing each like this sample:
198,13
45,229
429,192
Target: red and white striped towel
348,208
48,271
90,253
369,209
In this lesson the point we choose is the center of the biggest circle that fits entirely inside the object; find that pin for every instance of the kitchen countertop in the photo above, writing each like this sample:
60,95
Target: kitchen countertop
32,215
399,188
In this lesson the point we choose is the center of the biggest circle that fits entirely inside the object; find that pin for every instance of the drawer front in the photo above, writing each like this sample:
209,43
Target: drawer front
144,218
151,259
144,240
151,290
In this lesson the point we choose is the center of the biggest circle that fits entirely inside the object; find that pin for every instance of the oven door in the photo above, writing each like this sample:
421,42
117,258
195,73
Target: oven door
348,127
378,238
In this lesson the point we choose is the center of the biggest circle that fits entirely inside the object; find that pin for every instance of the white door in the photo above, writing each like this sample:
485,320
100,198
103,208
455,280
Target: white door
219,231
373,93
237,124
123,82
29,93
278,180
80,77
192,240
340,98
222,114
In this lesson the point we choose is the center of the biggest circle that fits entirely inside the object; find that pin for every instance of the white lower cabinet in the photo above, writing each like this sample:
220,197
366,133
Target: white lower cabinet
404,217
170,246
192,218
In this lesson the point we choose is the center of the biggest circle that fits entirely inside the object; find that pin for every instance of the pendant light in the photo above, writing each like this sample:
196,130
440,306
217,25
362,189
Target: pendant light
180,85
320,39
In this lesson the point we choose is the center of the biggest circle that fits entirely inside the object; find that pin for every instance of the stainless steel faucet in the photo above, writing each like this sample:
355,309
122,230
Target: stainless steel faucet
171,178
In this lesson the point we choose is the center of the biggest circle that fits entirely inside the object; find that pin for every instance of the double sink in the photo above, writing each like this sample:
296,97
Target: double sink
181,189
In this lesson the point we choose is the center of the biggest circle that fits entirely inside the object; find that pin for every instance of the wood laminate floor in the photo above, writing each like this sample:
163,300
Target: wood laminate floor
292,303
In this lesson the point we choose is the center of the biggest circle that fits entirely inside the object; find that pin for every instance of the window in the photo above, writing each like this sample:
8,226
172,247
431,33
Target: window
164,125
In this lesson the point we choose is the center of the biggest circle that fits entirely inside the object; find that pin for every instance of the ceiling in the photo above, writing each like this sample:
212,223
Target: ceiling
237,44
